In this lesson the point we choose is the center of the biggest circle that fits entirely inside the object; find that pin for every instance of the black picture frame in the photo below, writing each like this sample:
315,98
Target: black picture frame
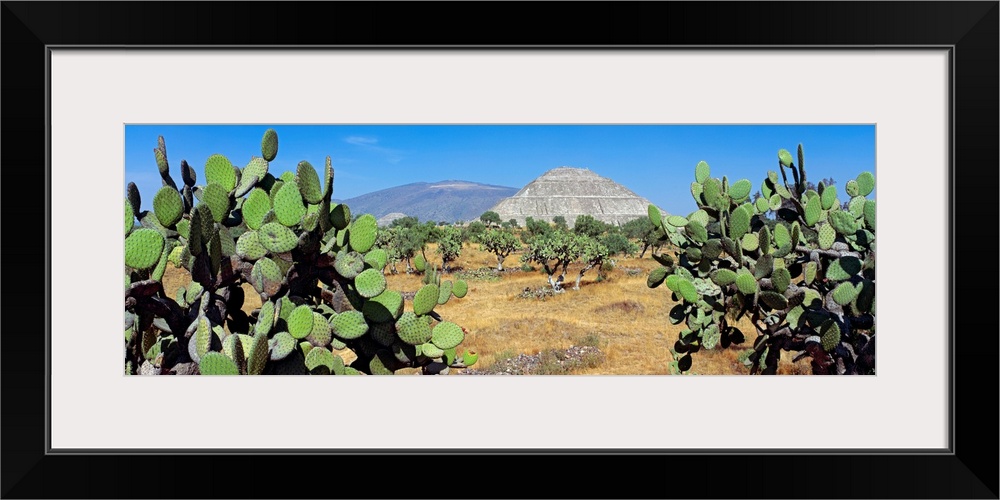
968,469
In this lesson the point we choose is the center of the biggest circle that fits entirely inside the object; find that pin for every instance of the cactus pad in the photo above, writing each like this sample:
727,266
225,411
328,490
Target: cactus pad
785,158
277,238
745,282
253,173
697,189
656,277
857,206
269,144
419,263
255,208
320,357
723,277
216,363
826,236
845,293
762,205
740,189
677,221
829,197
809,272
219,170
349,325
385,307
843,222
866,183
129,218
265,318
773,300
340,216
288,207
460,288
383,333
697,231
869,214
349,264
739,223
830,335
369,283
320,334
143,248
377,258
363,233
216,198
687,290
447,335
444,292
412,329
168,206
701,172
308,182
813,209
655,216
430,350
781,278
750,242
843,268
425,299
469,358
249,248
266,276
281,345
300,322
382,363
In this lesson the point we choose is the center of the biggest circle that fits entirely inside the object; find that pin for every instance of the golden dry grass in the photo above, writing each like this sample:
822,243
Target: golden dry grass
629,318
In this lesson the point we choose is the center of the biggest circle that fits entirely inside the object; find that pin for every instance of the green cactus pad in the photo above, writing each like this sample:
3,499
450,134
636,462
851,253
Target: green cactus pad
745,282
447,335
219,170
385,307
143,248
363,233
382,363
826,235
253,173
845,293
857,206
308,182
265,318
383,333
255,208
869,214
266,276
249,248
349,264
419,263
687,290
269,145
413,329
809,272
444,292
655,216
281,345
216,198
830,335
430,350
300,322
723,277
425,299
216,363
469,358
866,183
829,197
701,172
696,191
764,240
813,209
672,280
320,357
129,218
377,258
773,300
340,216
762,205
781,278
656,277
369,283
739,223
763,267
712,191
134,199
710,337
161,265
865,301
288,207
785,158
843,222
740,190
677,221
168,206
349,325
277,238
843,268
460,288
852,188
320,335
697,231
750,242
202,337
305,346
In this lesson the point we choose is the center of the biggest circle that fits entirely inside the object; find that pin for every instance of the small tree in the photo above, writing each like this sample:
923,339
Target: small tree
618,244
592,253
560,222
554,250
643,230
449,245
490,218
534,228
513,223
473,231
500,243
587,225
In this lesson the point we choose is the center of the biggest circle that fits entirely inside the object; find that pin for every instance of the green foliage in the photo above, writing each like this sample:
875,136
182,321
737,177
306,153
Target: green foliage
490,218
449,245
587,225
560,222
800,267
318,270
500,243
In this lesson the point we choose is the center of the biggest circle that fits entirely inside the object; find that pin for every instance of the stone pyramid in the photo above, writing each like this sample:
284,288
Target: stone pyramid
571,192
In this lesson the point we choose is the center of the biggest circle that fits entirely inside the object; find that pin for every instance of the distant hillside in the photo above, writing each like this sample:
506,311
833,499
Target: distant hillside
439,201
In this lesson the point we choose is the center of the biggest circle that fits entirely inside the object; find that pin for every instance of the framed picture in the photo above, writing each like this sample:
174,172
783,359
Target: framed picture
102,78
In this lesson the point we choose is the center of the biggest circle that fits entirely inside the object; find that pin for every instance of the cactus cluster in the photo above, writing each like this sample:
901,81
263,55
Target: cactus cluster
319,278
794,261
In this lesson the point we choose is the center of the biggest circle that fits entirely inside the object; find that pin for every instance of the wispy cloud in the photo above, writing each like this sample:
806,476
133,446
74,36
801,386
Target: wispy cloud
372,144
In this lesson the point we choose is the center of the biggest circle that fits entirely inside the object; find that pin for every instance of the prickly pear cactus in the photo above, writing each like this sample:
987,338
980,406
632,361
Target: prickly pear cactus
319,277
793,261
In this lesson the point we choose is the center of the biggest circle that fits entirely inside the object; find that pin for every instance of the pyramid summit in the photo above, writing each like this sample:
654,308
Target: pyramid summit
571,192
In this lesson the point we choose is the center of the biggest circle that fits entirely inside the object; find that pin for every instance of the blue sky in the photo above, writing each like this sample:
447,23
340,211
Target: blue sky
655,161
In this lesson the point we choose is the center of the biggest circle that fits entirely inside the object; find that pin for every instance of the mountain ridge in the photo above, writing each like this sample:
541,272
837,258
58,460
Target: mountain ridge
448,200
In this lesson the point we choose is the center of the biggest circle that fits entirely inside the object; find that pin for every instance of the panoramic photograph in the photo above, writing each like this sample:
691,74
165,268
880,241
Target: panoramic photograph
497,250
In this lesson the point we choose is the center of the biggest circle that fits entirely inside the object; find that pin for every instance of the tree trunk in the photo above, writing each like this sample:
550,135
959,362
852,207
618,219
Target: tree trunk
500,259
644,248
580,277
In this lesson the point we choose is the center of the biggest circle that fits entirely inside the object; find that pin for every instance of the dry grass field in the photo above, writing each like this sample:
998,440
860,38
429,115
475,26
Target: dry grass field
620,315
